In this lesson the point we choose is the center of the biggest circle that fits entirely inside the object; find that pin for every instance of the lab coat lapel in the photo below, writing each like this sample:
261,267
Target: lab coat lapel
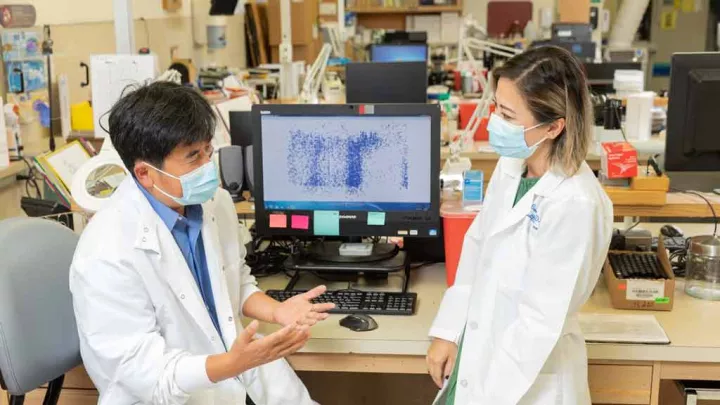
223,306
512,172
155,237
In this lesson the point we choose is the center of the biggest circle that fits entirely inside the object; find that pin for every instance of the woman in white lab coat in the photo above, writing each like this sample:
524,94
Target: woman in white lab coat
506,332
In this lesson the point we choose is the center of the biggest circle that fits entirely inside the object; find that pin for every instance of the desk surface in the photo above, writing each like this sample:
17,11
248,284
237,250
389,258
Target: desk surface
13,169
692,326
482,150
678,205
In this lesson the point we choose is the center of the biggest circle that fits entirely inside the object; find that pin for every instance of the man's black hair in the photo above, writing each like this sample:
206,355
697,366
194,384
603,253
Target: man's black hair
149,122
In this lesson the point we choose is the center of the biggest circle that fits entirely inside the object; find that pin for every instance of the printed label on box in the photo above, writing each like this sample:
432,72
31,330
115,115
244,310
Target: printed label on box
644,290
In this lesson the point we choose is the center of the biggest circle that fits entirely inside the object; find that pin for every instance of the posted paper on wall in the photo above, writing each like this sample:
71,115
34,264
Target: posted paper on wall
110,76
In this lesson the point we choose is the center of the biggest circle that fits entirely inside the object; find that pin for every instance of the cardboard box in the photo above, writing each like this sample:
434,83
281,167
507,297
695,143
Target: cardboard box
619,160
574,11
650,183
653,295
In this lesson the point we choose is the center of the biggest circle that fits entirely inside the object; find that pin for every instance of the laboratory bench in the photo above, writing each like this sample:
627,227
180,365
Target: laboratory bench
618,373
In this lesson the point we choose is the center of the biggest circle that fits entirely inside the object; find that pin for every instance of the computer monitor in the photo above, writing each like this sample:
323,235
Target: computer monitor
391,82
692,143
241,134
347,170
399,53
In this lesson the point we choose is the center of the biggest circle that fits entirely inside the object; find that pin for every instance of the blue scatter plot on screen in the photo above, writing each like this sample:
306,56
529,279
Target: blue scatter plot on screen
357,148
321,162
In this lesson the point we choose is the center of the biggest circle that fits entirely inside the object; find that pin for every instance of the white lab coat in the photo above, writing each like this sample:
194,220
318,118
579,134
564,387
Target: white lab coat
524,273
144,329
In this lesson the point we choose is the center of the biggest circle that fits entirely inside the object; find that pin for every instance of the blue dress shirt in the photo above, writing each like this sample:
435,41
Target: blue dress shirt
187,233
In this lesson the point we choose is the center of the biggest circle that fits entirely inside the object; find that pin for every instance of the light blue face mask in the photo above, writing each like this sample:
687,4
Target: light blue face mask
198,186
509,139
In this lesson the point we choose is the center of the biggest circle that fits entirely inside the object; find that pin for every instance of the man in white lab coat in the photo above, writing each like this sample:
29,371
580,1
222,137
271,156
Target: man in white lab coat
158,278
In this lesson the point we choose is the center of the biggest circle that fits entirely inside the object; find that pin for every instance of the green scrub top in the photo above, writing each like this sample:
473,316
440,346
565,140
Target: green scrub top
525,185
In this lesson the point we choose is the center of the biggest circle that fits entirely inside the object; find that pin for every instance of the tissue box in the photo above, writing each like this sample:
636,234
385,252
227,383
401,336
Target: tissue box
472,187
619,160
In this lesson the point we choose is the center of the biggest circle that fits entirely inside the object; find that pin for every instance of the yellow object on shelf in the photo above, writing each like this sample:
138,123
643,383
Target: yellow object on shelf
81,117
650,183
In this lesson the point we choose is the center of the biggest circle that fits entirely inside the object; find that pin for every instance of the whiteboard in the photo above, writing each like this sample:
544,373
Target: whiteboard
110,76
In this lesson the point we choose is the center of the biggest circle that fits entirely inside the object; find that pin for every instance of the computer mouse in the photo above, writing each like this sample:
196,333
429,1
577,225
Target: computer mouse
359,323
670,231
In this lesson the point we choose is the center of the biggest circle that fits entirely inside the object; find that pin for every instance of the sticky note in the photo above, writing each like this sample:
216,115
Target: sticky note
300,222
278,221
326,223
376,218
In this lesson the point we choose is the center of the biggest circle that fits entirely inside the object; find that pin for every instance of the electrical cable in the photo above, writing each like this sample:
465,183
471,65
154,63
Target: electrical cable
633,226
147,31
622,130
31,179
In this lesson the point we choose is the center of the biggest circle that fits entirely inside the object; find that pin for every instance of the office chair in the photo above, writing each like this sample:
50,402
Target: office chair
38,334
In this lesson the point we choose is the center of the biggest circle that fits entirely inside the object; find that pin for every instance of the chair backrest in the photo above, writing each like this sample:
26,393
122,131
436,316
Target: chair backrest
38,334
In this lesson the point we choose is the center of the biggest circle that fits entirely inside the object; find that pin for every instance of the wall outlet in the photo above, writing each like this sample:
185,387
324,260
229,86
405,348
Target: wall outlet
172,5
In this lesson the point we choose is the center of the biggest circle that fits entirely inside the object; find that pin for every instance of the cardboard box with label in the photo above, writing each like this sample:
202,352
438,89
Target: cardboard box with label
654,295
619,160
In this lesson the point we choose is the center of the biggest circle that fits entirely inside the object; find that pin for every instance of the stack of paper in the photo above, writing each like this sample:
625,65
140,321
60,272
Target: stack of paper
59,167
609,328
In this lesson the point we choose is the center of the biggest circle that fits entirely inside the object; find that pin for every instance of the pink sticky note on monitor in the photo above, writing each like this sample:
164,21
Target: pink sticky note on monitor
300,222
278,221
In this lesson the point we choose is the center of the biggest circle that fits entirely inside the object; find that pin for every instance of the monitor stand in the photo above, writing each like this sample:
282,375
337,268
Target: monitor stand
324,260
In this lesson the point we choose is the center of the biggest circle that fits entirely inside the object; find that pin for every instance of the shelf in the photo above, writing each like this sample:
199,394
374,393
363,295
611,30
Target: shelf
13,169
406,10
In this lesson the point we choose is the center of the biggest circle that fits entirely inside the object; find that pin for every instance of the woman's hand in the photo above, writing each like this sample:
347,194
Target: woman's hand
441,360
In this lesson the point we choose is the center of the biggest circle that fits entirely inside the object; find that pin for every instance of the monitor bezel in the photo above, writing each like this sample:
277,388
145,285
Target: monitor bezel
427,226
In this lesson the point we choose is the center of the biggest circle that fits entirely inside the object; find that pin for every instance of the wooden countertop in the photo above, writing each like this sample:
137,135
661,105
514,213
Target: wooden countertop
482,151
692,325
13,169
678,205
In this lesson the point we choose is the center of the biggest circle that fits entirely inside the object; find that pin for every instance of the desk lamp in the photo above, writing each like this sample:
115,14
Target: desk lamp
314,76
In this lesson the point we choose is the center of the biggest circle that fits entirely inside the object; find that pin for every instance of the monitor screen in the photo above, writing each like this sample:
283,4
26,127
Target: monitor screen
399,53
375,173
341,163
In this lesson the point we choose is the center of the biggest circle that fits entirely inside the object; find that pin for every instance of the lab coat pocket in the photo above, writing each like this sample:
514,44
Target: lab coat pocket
544,391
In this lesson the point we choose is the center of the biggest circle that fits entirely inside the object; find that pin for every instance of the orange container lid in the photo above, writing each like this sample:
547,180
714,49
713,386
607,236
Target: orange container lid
455,209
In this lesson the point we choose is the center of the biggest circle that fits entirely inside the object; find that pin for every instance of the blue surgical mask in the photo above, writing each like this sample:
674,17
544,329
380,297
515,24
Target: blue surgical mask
509,139
198,186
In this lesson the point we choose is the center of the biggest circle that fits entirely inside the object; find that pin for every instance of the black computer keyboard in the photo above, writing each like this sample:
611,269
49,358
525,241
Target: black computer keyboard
359,302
